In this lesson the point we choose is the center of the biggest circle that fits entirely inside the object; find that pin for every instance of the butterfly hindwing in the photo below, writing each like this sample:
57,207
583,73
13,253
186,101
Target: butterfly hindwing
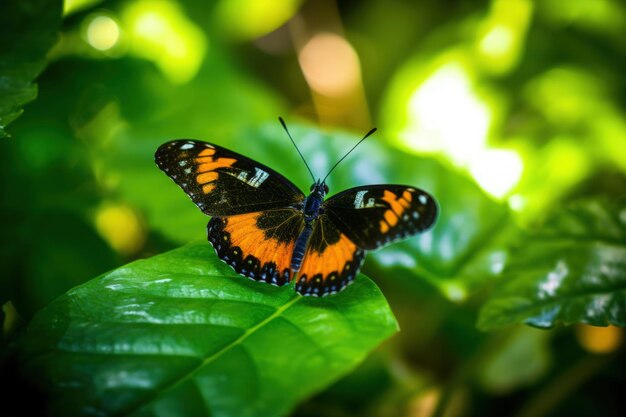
330,262
258,245
222,182
375,215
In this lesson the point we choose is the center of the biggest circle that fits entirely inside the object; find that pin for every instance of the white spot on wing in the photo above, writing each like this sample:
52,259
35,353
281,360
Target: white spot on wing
187,146
259,177
358,200
422,198
182,163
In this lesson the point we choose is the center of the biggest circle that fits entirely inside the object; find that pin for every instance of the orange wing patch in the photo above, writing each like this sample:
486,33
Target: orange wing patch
398,205
207,164
244,246
330,270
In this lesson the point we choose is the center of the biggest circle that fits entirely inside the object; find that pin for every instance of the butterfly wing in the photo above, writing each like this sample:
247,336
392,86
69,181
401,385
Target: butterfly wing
375,215
222,182
258,245
330,262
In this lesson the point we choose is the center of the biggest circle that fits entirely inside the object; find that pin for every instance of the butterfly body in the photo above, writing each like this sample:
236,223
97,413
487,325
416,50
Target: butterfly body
266,229
311,210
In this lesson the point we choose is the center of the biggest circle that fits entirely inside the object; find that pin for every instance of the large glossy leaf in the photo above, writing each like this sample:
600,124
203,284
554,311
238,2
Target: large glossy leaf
181,333
573,270
28,28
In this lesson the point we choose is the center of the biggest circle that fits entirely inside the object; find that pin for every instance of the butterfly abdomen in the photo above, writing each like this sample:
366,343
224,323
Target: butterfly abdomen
300,246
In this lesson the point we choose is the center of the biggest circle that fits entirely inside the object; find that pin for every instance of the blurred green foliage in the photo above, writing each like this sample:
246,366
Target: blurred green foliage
27,31
512,113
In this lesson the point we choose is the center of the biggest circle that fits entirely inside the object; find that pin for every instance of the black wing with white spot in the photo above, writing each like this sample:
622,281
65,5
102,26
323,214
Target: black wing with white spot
374,215
222,182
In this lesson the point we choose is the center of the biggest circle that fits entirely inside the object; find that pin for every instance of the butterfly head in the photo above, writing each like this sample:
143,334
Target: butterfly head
319,189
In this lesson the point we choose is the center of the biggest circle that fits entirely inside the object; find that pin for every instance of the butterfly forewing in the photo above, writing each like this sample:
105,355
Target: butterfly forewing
375,215
222,182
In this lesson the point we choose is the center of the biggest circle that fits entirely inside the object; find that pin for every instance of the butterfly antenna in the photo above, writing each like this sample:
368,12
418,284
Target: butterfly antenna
282,122
354,147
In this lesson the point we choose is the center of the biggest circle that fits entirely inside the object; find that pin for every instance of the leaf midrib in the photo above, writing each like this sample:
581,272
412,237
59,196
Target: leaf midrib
189,374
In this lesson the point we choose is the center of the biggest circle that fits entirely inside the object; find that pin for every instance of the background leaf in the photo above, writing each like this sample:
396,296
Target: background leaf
49,197
501,372
28,29
182,331
573,270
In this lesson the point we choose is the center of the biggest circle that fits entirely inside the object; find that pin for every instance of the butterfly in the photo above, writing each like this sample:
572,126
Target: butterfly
268,230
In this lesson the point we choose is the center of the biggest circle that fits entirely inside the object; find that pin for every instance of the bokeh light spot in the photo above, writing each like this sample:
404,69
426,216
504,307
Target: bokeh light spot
160,32
455,291
497,41
103,33
330,64
73,6
497,170
502,35
120,226
445,114
249,19
599,339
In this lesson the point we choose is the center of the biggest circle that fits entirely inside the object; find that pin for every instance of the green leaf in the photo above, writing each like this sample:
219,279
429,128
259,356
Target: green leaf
519,360
49,240
573,270
28,28
182,333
